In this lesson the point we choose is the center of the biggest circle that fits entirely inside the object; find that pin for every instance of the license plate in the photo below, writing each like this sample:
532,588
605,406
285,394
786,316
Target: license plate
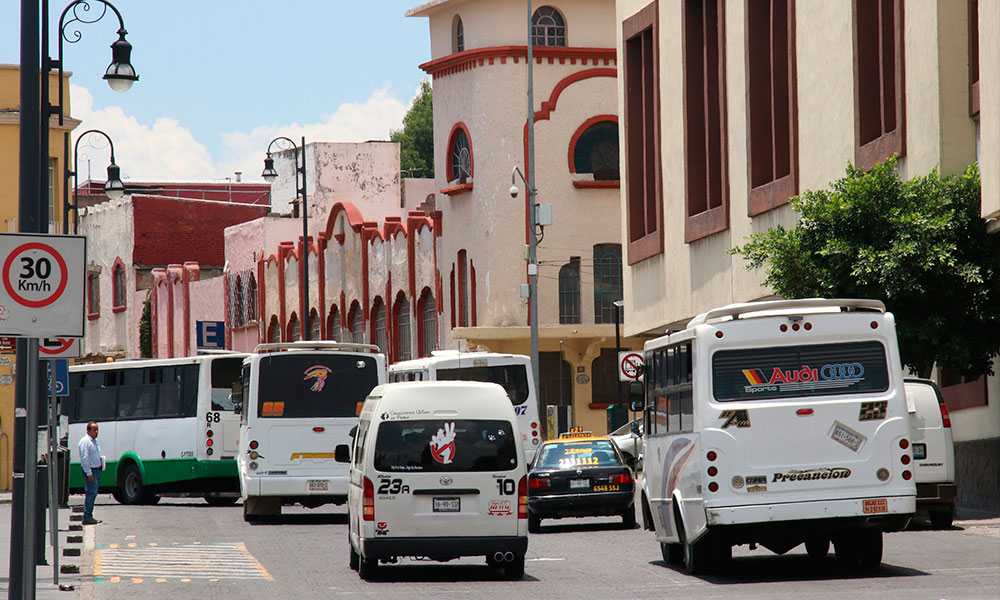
847,436
447,504
576,484
919,450
606,488
874,505
318,485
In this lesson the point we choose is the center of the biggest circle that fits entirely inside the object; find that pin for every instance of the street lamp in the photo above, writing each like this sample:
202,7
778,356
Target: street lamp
113,187
270,174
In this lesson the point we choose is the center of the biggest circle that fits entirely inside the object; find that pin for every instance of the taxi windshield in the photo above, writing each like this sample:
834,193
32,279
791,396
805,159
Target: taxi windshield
566,455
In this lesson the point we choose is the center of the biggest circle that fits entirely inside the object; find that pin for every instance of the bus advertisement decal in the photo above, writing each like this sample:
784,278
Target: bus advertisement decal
848,437
740,418
812,474
873,411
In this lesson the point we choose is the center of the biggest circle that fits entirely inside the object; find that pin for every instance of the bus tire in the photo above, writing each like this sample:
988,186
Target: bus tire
870,548
699,557
673,554
647,515
132,489
845,547
817,548
367,567
942,518
116,493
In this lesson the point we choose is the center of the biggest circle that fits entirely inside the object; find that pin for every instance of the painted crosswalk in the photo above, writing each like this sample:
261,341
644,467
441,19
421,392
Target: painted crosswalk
176,563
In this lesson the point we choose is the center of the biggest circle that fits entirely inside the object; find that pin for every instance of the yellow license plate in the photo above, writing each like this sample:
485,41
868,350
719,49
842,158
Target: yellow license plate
606,488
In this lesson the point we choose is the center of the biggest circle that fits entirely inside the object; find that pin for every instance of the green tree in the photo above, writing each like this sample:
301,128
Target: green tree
146,330
416,138
919,246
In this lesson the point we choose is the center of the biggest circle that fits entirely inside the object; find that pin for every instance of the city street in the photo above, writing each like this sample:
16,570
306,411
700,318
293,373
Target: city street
183,548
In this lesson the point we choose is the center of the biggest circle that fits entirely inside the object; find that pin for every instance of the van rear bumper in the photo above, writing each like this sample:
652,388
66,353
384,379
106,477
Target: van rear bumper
819,509
283,485
936,493
443,548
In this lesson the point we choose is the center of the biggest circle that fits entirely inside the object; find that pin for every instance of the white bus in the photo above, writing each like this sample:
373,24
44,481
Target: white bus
511,371
298,404
166,426
776,423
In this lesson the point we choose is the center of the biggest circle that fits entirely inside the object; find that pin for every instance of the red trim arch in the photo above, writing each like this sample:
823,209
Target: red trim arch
579,132
118,265
448,162
271,327
478,57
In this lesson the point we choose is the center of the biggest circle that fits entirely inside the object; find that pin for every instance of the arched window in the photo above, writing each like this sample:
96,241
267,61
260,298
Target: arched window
238,311
118,285
294,328
379,319
251,301
595,150
607,281
273,331
459,155
333,331
356,321
427,308
314,330
401,318
463,288
569,292
548,28
458,35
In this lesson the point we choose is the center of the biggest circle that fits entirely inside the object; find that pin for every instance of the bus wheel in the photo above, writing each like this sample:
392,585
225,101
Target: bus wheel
817,548
942,518
117,495
870,548
132,489
699,557
672,553
221,500
846,549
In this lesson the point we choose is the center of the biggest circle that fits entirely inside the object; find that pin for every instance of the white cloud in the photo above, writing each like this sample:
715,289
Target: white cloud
168,150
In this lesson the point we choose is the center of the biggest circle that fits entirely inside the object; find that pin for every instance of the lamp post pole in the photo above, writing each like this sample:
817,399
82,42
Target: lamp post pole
531,192
113,187
618,340
270,175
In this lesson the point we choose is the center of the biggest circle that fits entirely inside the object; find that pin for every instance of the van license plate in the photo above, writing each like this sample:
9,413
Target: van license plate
319,485
447,504
919,450
576,484
874,505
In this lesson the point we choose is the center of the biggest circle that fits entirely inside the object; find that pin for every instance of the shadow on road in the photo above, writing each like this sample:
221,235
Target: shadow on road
303,519
570,527
430,571
779,569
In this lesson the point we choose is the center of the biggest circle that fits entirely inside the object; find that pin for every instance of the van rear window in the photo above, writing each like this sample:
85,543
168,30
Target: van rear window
445,445
799,371
297,385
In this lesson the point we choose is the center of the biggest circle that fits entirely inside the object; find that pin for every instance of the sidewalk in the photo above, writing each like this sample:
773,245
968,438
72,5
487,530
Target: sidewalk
44,588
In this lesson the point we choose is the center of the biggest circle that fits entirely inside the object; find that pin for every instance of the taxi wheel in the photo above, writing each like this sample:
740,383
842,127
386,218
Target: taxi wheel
628,518
534,523
515,568
367,567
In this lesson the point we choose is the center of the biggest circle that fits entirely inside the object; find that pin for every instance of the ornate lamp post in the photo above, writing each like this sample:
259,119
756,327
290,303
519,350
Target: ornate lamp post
269,175
113,187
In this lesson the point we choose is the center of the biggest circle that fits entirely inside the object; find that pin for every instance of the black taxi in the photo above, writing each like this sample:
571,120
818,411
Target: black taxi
579,475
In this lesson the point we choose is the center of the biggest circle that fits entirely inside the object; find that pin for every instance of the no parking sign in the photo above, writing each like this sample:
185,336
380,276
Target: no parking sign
42,285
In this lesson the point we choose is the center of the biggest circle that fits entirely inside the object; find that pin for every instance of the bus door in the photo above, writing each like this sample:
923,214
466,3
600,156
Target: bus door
220,417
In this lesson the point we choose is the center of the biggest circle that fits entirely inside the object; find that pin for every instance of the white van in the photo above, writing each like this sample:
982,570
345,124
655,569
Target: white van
933,451
437,472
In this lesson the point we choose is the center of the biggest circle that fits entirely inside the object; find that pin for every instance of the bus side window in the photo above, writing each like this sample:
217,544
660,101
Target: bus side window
189,387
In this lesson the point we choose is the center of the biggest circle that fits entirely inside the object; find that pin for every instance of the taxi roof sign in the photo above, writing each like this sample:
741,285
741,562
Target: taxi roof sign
576,432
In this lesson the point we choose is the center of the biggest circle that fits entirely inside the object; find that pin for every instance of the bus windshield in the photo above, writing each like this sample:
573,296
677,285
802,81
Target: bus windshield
296,385
445,445
799,371
513,378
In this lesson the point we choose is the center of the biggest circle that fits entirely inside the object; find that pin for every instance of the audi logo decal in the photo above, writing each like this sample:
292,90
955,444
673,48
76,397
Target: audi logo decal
842,371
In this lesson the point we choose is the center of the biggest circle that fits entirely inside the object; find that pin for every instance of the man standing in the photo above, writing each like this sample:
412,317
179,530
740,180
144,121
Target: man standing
90,461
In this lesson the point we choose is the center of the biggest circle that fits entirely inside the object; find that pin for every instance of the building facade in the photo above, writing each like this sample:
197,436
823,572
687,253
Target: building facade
730,107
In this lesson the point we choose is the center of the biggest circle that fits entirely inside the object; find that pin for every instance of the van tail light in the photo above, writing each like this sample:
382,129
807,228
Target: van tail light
621,478
945,419
522,498
368,501
539,483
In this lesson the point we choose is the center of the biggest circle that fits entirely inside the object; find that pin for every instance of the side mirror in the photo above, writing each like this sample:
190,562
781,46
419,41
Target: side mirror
342,453
634,427
637,396
353,432
237,397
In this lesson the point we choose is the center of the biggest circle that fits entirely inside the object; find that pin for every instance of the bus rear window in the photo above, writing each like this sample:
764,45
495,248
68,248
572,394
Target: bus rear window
799,371
296,385
225,372
513,378
443,445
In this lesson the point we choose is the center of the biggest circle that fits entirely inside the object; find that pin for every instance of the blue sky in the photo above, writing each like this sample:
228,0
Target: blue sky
218,79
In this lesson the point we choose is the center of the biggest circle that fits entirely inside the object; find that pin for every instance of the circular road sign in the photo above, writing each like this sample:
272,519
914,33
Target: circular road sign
630,365
55,346
35,275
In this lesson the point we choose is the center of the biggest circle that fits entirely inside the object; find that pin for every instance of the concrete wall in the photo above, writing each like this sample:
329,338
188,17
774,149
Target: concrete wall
110,232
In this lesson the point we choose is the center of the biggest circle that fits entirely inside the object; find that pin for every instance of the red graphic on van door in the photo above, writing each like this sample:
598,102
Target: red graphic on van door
443,444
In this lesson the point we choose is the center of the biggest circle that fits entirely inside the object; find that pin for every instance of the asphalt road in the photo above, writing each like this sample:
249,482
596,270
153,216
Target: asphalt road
182,548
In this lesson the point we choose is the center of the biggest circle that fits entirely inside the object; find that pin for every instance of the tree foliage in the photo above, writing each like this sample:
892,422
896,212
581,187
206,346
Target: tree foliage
919,246
146,330
416,138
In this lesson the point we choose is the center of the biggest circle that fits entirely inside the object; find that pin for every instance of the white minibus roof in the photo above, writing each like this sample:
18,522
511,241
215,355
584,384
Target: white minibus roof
770,308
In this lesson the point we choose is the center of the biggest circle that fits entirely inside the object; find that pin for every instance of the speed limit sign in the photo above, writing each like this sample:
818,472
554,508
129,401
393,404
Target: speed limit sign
42,285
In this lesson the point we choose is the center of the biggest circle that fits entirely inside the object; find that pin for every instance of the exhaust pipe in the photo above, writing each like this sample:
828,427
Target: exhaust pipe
509,556
498,557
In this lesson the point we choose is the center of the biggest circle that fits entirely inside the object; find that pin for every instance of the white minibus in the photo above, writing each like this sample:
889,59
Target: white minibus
298,404
511,371
437,472
166,426
776,423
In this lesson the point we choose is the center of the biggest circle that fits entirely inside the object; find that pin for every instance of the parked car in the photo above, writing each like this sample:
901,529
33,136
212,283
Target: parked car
628,438
933,451
579,475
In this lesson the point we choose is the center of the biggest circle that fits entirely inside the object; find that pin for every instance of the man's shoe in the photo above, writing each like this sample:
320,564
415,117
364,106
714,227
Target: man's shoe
91,521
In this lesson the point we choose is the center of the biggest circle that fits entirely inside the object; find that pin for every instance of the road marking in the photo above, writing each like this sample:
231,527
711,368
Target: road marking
211,562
